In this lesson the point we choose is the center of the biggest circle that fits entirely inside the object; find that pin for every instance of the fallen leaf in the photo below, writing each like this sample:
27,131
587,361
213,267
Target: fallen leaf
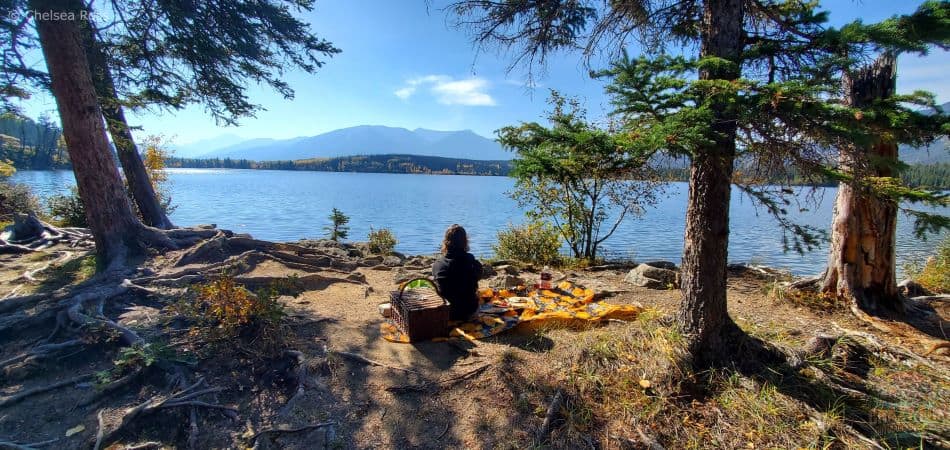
74,430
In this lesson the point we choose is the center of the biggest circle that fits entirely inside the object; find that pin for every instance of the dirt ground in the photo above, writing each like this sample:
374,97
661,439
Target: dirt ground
431,395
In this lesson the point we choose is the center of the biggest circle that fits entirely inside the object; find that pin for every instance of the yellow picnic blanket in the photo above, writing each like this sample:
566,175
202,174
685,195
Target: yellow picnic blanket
566,305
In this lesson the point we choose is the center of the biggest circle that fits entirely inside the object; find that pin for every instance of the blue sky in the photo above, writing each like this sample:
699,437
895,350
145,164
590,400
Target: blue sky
403,65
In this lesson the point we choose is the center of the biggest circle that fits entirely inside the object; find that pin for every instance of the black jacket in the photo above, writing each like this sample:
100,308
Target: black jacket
457,276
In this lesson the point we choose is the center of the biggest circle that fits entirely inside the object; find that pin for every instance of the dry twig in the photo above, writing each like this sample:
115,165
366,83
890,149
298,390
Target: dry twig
371,362
551,415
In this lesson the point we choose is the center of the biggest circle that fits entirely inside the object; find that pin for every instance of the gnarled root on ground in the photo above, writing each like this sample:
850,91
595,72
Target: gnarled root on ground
188,397
76,315
31,234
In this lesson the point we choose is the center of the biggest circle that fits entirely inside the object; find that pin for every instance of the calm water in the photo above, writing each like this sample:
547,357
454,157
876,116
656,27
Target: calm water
285,205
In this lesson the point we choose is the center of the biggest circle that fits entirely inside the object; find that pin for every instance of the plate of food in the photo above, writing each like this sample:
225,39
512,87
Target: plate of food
520,302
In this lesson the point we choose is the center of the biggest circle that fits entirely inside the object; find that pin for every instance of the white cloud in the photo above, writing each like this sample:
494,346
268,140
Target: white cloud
405,92
463,92
449,91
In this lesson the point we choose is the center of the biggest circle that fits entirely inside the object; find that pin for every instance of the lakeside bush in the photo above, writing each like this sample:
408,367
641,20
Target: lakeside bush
67,210
534,242
14,197
153,157
382,241
935,273
222,311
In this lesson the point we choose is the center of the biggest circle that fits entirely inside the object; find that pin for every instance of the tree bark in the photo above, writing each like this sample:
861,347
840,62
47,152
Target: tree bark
114,226
703,317
143,193
861,258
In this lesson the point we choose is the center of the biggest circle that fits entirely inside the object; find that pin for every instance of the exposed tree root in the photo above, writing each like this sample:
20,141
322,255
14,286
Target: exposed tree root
31,234
39,352
144,446
82,308
7,248
937,346
193,428
12,302
185,398
294,256
111,387
30,275
4,445
288,430
302,375
430,386
20,396
554,410
887,350
371,362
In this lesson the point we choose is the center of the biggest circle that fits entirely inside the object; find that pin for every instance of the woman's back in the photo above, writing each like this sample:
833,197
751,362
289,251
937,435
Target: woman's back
457,273
457,276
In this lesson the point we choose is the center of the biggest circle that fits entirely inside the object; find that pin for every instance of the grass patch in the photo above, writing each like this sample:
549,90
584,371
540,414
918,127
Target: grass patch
73,271
816,301
934,274
622,380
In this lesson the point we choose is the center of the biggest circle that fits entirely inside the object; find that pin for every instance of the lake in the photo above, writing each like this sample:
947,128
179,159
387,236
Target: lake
290,205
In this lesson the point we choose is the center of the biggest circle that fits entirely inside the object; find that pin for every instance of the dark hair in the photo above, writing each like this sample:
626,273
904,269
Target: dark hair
455,240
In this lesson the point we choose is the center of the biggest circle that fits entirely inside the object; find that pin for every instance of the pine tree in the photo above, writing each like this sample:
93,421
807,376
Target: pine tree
158,54
757,91
114,226
136,176
338,228
141,60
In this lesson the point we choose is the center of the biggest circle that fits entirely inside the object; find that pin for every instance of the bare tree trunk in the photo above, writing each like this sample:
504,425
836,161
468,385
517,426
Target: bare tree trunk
143,193
703,316
861,259
108,212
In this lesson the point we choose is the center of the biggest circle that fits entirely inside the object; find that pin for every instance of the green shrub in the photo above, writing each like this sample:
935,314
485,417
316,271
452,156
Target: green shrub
535,242
382,241
67,210
935,273
16,198
225,313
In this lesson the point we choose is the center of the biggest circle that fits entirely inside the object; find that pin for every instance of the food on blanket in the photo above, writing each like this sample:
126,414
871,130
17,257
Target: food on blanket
521,302
565,306
491,308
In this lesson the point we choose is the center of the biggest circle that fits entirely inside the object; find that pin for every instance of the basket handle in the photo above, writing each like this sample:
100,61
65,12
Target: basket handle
435,286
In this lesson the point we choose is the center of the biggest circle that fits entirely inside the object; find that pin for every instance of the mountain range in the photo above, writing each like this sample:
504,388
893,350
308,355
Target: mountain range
382,140
359,140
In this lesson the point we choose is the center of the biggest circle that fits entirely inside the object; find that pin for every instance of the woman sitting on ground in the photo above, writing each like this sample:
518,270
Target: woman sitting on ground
456,273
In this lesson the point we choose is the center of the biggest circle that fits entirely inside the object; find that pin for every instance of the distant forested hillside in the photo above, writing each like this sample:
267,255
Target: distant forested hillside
933,176
366,140
32,144
367,163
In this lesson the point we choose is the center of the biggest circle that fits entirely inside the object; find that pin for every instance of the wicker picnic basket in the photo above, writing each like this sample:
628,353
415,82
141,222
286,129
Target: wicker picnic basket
420,313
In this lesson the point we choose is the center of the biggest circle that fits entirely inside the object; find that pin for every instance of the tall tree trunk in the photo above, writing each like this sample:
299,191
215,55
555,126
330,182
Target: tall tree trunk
108,212
861,259
703,316
143,193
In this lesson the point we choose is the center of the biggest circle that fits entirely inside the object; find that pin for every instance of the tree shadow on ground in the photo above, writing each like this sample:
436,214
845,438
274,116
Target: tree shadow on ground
399,408
534,342
928,315
831,385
